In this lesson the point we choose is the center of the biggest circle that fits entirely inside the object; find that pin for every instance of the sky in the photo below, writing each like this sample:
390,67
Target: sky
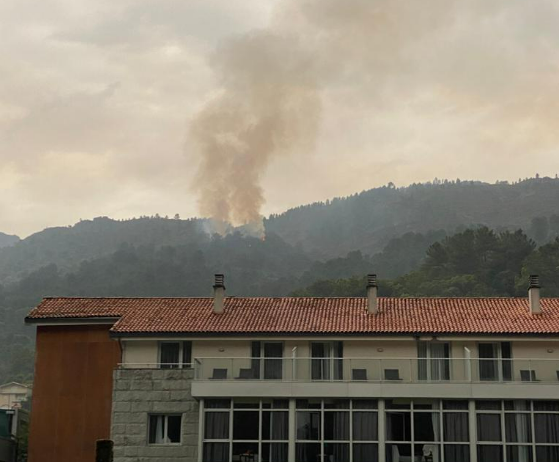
241,108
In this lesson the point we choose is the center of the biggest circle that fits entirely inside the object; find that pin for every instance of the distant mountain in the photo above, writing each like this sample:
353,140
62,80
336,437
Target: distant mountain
368,220
6,240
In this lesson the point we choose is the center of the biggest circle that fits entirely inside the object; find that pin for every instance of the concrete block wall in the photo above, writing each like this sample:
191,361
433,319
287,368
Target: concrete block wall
141,392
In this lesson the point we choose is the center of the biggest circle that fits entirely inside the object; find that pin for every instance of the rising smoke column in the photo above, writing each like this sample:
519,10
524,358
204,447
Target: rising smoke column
268,106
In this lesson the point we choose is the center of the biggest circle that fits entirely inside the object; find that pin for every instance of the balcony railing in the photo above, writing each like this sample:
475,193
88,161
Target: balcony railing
394,370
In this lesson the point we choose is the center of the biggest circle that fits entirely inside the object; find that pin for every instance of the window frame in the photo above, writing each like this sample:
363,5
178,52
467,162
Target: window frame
182,356
165,428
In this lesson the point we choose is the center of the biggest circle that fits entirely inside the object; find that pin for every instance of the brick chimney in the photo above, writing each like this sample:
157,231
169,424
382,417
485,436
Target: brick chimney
534,294
372,292
219,293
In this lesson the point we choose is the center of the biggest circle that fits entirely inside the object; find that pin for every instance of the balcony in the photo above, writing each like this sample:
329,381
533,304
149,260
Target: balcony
388,377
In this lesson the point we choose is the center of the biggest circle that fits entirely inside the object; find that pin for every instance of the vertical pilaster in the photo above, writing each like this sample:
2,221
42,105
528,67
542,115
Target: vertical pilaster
381,431
473,430
292,431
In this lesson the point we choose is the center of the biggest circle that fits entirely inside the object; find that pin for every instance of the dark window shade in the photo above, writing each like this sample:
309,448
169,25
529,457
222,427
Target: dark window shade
169,355
187,354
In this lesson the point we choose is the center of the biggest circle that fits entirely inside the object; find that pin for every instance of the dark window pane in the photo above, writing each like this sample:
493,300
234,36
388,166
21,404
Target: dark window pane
398,426
398,452
246,404
245,425
489,453
365,452
245,452
489,427
547,428
547,453
336,452
275,425
336,404
308,425
216,452
365,404
518,428
274,452
506,354
187,354
169,355
216,425
217,403
426,426
336,426
397,404
156,429
455,405
486,405
308,452
308,404
280,404
456,427
457,453
365,426
517,405
519,454
174,428
550,406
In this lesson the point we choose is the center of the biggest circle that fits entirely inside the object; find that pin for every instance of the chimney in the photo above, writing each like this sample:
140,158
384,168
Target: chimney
372,290
219,293
534,294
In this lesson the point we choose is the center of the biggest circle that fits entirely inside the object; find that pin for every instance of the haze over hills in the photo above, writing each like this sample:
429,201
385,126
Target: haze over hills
7,240
386,230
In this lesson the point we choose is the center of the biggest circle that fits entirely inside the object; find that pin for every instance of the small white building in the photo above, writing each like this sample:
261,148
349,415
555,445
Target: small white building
13,394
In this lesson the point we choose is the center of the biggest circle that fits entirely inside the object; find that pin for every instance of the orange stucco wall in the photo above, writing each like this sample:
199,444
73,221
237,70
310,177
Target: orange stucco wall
72,392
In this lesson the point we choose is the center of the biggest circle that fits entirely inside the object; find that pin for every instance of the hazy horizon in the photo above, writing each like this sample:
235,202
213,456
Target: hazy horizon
98,105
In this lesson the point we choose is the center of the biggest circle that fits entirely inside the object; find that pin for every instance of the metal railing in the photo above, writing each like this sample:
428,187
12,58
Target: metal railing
395,370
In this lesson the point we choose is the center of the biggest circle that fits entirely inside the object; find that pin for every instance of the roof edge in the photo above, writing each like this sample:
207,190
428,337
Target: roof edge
72,320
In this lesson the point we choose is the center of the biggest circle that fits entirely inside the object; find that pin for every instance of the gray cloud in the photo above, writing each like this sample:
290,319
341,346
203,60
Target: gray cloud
99,101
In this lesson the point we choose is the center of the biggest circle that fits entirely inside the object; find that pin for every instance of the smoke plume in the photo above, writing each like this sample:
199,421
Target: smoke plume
268,106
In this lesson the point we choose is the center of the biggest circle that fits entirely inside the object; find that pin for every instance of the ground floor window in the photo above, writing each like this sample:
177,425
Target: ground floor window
165,429
336,430
246,431
389,430
517,431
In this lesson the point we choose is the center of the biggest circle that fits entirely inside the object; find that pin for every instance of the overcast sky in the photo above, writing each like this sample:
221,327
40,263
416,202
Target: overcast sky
97,98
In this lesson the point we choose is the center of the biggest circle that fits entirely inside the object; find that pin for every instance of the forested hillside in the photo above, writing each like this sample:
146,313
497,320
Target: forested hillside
7,240
367,221
421,240
473,263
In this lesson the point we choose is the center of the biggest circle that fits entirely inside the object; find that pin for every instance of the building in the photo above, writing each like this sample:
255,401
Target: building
13,428
230,379
13,394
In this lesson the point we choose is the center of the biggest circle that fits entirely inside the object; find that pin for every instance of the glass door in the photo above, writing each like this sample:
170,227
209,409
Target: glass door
488,362
273,361
321,364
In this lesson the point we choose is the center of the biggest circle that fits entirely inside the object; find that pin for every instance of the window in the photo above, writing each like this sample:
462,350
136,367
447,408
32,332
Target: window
327,360
332,430
495,361
434,361
521,431
272,352
175,355
413,430
165,429
245,430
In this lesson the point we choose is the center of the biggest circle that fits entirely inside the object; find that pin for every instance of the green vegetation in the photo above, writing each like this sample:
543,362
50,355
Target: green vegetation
473,263
424,240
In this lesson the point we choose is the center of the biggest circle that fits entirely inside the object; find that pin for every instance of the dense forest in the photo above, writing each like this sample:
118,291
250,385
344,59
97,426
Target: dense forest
368,220
424,240
472,263
7,240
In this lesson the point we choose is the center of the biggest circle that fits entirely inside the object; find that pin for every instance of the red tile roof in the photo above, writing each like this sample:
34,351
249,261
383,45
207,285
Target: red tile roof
290,315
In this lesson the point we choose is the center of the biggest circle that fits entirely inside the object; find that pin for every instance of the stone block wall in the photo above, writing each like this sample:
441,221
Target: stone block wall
137,393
